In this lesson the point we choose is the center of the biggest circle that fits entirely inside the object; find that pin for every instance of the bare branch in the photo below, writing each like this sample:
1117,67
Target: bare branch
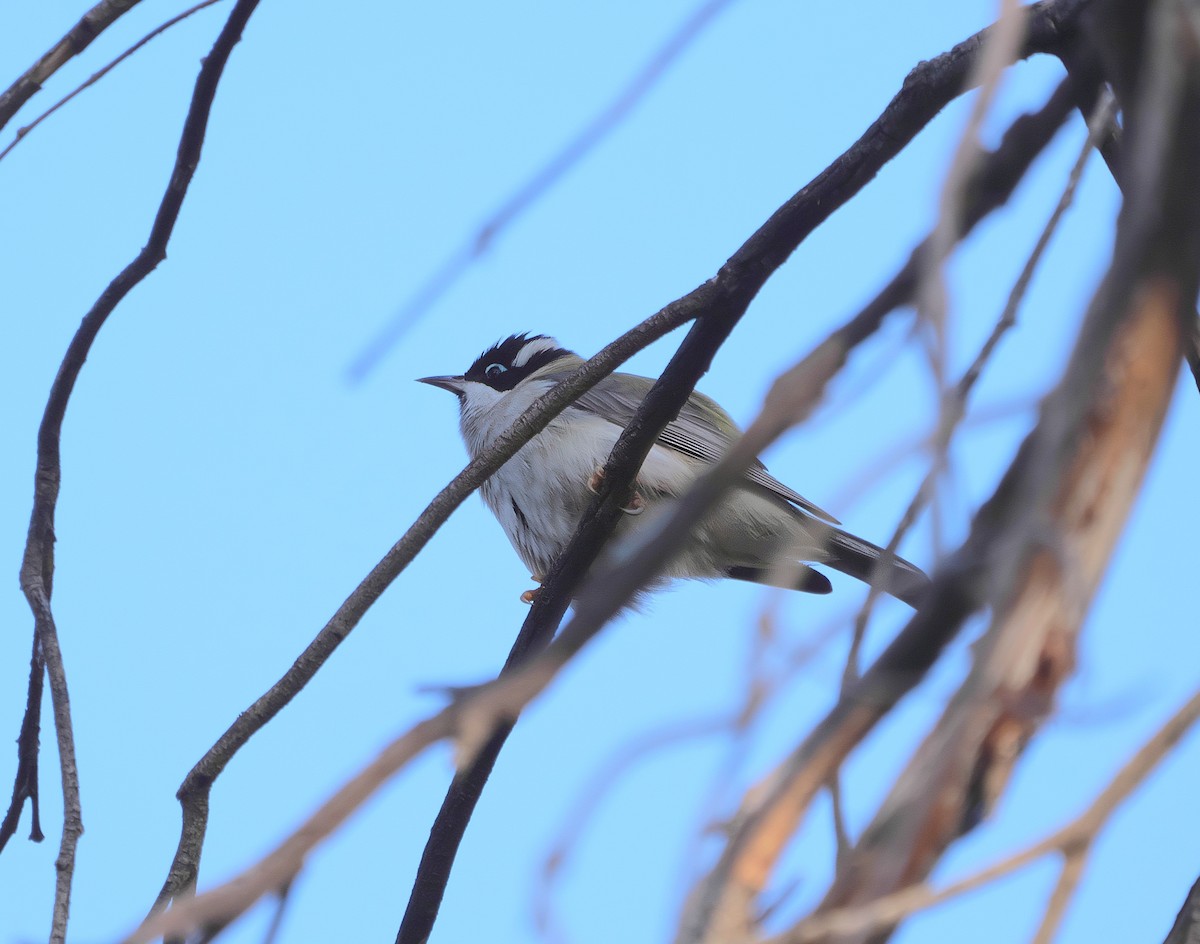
1074,860
193,793
1186,929
954,403
80,36
1067,495
926,90
97,76
883,912
723,903
37,567
997,55
721,302
25,783
599,784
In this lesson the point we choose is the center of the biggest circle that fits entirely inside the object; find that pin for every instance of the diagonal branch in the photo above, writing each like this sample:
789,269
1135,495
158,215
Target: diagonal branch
98,75
1186,929
80,36
722,903
37,567
194,792
891,909
926,90
1067,494
473,718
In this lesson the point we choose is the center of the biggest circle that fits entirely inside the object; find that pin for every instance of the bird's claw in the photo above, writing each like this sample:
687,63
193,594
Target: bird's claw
530,595
636,505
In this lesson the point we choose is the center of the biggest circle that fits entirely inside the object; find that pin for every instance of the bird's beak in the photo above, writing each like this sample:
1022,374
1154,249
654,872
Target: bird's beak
453,384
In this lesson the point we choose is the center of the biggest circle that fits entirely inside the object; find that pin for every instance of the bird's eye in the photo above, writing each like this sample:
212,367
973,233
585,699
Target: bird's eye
492,371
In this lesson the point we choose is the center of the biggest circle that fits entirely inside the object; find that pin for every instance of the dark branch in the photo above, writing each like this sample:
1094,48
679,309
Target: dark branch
94,22
193,793
925,92
1186,929
37,567
97,76
25,784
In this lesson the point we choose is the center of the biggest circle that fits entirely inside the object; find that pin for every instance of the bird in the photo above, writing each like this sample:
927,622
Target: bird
762,532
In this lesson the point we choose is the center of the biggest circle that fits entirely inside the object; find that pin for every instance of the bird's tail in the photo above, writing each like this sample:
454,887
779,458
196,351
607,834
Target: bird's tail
866,562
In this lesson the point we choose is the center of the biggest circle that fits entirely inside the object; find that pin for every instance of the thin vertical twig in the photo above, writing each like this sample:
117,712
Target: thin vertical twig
37,567
953,410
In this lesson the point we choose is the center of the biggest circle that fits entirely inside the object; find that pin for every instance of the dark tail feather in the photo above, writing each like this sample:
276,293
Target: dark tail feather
858,558
799,577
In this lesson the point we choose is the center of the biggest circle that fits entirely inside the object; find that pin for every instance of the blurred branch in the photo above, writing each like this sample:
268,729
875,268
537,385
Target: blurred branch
1110,148
599,784
194,792
926,90
1069,841
954,402
717,305
997,54
80,36
1074,859
97,76
37,567
720,907
1067,495
533,189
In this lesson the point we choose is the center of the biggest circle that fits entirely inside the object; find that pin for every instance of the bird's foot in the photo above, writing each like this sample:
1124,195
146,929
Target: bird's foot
636,505
530,595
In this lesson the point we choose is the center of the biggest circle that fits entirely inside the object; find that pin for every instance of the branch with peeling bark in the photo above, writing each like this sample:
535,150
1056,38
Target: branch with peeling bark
930,86
1071,842
1044,537
474,718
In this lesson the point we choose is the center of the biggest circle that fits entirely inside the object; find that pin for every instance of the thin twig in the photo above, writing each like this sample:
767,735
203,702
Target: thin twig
599,785
997,55
865,917
534,188
37,567
477,714
96,77
1085,828
1064,498
721,905
282,899
25,782
953,409
193,793
926,90
80,36
1074,860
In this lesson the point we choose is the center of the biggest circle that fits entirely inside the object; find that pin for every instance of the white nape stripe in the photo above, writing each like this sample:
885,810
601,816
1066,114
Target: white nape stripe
532,347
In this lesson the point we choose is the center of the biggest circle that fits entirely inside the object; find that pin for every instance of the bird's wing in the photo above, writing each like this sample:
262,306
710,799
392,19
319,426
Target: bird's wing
699,431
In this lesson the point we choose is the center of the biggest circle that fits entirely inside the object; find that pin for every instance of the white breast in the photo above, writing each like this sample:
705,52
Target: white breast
540,494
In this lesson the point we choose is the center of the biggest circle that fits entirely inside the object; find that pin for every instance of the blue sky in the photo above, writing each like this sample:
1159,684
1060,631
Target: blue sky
225,487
